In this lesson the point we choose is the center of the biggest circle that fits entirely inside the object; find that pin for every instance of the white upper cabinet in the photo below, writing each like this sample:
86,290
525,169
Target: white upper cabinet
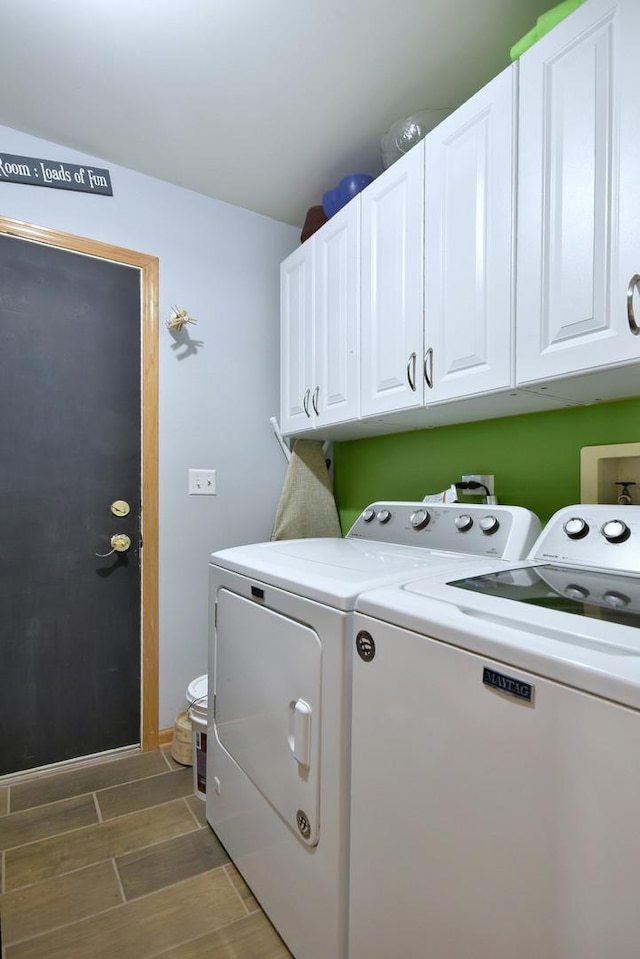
320,307
336,393
579,194
392,275
296,339
469,223
407,310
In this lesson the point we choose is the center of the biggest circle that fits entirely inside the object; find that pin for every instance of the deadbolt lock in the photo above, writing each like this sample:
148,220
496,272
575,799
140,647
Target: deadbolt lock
120,508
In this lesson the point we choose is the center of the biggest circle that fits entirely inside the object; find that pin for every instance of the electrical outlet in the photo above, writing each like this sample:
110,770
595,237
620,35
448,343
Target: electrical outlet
487,479
202,482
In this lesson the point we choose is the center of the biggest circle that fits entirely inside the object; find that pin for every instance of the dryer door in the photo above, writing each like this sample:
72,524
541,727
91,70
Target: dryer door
267,706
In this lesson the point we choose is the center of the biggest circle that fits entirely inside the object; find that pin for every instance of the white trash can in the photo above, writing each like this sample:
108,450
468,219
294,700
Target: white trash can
197,697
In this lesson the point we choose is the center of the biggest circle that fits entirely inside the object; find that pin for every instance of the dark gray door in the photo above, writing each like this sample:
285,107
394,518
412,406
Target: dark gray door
69,448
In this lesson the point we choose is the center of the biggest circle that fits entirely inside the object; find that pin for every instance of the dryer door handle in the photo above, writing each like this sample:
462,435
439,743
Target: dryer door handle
300,731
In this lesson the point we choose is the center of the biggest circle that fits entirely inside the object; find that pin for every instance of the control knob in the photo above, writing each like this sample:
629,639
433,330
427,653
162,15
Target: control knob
615,531
616,600
573,591
384,516
369,515
489,525
463,522
420,519
576,528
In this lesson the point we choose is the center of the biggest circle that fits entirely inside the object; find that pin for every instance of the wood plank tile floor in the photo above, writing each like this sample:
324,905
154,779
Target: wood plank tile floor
116,859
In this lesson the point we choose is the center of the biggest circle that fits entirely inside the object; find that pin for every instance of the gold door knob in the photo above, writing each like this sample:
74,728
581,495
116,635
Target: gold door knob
120,543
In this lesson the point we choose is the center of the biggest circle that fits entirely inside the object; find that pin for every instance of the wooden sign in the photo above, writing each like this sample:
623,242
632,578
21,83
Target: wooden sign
61,176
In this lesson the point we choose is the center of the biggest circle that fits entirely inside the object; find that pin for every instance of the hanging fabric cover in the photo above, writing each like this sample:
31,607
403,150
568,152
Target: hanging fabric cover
307,507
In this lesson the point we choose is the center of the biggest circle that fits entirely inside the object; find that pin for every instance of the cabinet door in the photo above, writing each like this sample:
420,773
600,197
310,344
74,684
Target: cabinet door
578,193
392,309
296,339
468,246
335,396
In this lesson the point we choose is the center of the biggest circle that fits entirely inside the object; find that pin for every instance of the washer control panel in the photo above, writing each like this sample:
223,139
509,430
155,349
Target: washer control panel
598,536
503,532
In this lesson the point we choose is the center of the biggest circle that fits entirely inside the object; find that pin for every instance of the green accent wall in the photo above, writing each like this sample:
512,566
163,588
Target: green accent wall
535,458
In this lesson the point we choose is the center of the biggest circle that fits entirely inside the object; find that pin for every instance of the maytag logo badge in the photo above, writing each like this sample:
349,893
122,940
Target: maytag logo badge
365,646
507,684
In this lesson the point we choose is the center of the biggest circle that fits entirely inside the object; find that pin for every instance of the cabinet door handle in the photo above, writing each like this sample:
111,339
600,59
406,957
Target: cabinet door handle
305,402
314,400
428,367
411,371
634,284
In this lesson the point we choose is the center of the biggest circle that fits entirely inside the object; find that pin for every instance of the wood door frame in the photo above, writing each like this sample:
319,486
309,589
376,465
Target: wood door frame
148,266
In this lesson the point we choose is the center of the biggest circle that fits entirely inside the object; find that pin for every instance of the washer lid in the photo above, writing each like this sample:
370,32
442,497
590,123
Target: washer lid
598,595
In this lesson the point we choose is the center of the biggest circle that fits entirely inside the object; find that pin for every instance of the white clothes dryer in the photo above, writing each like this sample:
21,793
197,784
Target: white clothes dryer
279,695
495,754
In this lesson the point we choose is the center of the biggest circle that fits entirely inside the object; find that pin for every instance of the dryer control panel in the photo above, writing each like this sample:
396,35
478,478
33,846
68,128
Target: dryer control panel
497,532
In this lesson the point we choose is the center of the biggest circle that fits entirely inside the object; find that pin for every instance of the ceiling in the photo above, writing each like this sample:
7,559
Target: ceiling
262,103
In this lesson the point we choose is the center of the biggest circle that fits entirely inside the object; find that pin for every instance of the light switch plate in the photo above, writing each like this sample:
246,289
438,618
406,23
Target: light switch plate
202,482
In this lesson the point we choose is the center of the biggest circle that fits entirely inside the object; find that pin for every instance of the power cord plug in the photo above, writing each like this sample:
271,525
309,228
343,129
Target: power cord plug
473,485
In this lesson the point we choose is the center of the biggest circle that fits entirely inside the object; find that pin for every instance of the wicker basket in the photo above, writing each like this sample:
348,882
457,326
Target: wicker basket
182,743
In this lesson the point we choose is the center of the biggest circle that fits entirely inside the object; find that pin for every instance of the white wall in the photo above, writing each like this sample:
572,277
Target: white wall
221,263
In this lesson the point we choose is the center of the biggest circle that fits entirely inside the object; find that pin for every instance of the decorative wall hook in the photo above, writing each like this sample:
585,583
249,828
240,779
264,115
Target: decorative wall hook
178,319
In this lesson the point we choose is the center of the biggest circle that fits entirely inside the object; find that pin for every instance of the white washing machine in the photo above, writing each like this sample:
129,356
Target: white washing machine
495,793
279,695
